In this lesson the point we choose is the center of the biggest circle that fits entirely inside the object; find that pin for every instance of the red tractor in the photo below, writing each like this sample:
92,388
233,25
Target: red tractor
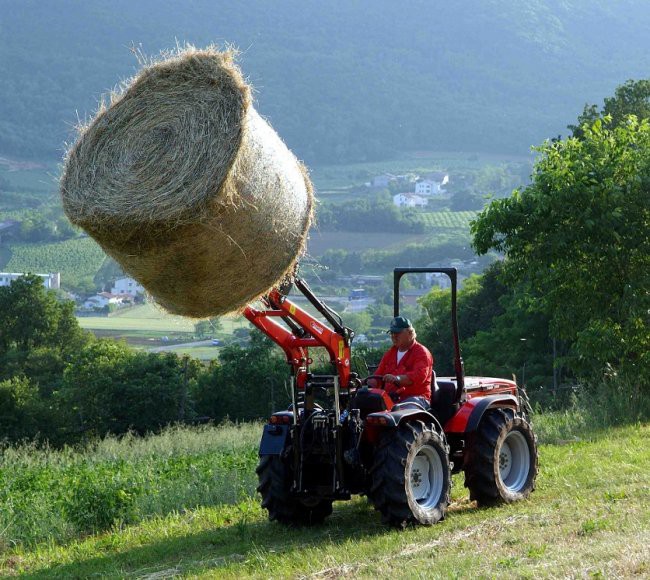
340,438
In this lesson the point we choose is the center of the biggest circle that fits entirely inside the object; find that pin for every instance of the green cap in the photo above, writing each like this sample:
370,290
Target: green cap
399,323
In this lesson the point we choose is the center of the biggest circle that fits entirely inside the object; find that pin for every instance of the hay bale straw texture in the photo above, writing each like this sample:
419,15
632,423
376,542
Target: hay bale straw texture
184,184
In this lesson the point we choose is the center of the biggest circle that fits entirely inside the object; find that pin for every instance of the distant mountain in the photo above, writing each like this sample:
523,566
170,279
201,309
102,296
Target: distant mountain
339,80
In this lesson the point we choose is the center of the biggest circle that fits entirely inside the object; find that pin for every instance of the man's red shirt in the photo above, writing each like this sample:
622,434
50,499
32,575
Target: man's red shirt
417,364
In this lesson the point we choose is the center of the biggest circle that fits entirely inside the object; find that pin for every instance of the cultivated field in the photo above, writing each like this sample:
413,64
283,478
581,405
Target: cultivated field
449,220
183,504
78,259
321,241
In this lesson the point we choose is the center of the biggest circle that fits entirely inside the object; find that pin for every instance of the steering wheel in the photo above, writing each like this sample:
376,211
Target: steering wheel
377,377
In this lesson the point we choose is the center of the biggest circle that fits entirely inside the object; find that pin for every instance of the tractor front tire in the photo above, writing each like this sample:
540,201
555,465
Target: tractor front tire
411,476
501,461
274,477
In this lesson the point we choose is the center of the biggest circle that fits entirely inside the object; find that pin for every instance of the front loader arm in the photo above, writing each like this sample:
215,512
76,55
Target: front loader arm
296,344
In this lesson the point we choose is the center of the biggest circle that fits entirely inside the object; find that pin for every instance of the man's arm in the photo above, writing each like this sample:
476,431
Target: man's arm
419,373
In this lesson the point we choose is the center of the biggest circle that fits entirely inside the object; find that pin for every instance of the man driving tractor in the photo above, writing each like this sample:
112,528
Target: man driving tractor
406,369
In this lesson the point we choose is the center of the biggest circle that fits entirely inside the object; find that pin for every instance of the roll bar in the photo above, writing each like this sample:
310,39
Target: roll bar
452,273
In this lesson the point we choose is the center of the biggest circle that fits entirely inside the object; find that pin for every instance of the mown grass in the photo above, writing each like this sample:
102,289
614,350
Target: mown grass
151,317
183,504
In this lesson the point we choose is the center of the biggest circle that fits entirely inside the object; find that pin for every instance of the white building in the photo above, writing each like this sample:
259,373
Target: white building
104,299
128,286
50,281
432,184
409,200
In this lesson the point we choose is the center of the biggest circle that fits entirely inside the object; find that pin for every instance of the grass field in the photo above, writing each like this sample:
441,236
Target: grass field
321,241
149,317
146,318
589,517
148,326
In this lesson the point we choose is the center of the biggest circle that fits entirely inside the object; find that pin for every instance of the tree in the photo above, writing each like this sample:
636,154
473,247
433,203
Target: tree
501,332
109,388
31,316
467,200
208,327
360,322
19,408
247,383
630,98
578,237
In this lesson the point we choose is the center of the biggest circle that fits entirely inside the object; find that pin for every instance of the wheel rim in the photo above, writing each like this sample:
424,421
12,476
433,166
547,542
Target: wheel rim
514,461
426,476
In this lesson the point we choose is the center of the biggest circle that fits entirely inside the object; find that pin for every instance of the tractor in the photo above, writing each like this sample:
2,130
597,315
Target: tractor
342,437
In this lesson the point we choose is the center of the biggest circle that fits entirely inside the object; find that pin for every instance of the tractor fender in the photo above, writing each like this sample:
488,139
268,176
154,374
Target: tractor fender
397,416
274,439
468,417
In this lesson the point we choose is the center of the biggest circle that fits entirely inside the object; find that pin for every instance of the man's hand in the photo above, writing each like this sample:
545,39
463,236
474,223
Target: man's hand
391,379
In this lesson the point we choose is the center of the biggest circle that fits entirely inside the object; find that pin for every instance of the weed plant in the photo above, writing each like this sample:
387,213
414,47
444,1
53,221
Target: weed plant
591,409
56,495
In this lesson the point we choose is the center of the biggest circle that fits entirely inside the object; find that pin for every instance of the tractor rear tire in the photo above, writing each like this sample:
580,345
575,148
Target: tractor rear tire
501,462
274,477
411,476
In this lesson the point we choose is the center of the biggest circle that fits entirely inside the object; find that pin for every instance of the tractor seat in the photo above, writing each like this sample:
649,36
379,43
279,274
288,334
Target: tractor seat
442,400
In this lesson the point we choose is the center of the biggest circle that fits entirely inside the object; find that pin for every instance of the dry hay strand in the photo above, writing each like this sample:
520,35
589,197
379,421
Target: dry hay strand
184,184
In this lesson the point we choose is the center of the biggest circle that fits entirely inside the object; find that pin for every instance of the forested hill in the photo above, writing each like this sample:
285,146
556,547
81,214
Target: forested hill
340,80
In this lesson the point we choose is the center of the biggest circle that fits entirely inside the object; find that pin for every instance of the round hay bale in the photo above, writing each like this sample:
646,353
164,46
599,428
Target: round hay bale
184,184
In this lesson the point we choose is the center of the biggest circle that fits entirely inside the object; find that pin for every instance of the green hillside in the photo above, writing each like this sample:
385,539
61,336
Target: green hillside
78,260
341,81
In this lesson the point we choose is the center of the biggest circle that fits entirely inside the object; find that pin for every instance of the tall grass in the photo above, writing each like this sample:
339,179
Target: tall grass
56,495
593,409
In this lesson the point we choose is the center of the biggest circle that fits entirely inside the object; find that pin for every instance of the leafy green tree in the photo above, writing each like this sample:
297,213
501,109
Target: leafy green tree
247,383
109,388
19,408
578,237
209,327
467,200
501,334
31,316
369,214
479,302
360,322
516,342
630,98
